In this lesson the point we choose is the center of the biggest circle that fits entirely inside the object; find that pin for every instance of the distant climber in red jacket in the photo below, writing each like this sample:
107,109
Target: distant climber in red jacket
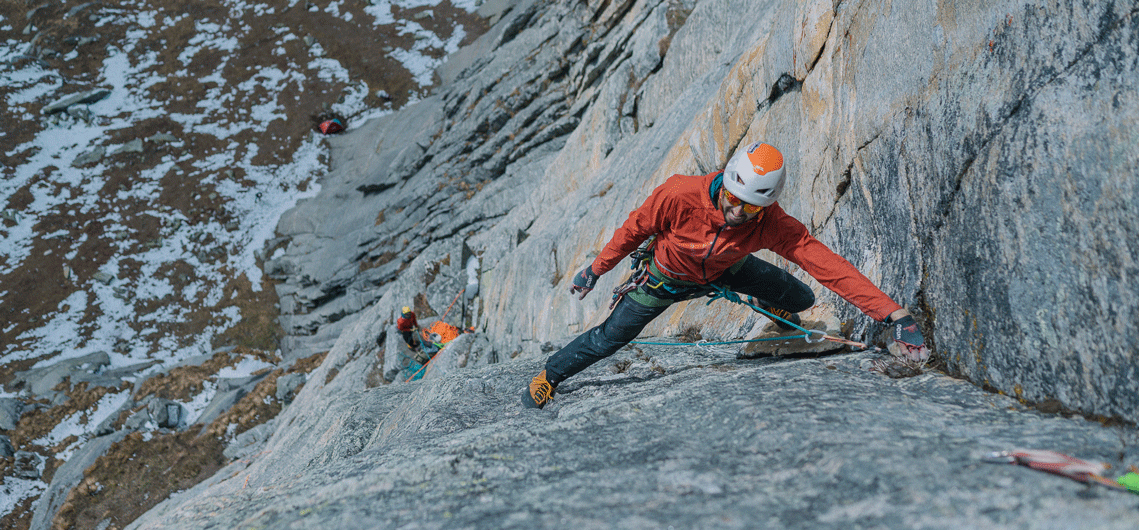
706,229
406,324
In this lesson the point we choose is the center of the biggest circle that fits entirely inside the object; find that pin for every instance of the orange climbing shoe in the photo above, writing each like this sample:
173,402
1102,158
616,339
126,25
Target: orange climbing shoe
540,392
784,314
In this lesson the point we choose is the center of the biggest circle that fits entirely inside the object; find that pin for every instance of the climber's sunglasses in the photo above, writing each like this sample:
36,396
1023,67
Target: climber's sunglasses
735,201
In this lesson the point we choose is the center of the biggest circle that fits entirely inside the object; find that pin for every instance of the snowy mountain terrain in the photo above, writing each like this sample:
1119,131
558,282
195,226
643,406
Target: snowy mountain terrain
150,148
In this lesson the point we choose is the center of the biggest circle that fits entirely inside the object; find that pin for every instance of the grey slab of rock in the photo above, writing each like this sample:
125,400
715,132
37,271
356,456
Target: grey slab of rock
6,449
27,465
127,371
493,10
41,381
82,98
287,386
79,113
467,350
295,347
10,411
249,442
477,51
166,414
712,442
327,312
229,392
221,402
79,8
138,421
67,476
133,146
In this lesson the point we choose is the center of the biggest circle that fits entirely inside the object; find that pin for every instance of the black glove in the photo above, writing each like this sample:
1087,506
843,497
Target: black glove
583,282
908,341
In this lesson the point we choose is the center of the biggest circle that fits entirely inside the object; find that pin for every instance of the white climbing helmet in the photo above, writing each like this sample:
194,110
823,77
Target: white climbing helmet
755,174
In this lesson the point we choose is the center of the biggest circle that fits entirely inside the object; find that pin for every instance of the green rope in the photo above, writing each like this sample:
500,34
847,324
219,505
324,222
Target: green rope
727,294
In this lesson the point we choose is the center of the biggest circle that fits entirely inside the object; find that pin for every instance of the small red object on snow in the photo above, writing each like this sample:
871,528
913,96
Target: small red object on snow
331,126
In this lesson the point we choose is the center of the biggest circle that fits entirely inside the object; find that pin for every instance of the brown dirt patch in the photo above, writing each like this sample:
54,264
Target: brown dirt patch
137,474
257,407
422,307
185,381
259,328
308,364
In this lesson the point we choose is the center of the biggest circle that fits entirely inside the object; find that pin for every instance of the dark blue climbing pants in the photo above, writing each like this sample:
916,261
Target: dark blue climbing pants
771,286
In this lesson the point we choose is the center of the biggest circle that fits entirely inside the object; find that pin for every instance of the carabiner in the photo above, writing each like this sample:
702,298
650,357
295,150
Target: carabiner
811,332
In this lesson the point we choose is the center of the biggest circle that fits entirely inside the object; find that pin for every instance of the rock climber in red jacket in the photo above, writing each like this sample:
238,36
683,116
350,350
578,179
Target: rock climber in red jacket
406,324
706,229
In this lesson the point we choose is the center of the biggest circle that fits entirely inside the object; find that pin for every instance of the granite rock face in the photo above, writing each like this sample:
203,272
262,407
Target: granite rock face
980,171
682,436
975,161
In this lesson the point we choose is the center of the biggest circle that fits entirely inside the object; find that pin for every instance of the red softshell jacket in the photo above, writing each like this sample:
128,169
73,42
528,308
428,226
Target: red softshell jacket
694,243
406,324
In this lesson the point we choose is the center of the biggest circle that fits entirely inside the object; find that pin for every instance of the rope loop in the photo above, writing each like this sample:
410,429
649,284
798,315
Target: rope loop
729,295
812,336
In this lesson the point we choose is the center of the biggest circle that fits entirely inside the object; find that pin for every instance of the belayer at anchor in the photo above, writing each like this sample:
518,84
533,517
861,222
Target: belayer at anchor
706,228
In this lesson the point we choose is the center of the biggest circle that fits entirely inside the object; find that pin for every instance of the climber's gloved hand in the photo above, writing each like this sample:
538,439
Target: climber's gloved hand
908,341
583,282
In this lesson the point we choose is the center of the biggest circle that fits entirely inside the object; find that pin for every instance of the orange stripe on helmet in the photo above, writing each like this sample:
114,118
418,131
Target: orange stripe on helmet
765,158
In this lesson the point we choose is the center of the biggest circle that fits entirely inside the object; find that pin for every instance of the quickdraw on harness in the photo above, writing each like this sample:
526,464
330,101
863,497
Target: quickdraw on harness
641,258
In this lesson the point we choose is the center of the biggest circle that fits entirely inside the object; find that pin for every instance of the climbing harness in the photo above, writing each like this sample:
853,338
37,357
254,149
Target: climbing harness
653,288
1061,464
641,259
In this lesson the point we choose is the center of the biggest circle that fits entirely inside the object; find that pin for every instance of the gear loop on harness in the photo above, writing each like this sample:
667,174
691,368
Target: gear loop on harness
640,265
